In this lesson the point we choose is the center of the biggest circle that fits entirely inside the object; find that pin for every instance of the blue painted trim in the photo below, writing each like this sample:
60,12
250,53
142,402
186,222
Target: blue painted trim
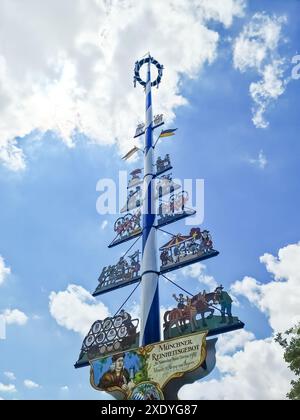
151,335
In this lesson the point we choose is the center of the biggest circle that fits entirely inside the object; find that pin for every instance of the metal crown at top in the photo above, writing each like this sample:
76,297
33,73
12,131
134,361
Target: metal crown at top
139,64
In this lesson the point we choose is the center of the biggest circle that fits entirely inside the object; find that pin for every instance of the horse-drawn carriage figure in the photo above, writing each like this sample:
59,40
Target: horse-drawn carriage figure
183,319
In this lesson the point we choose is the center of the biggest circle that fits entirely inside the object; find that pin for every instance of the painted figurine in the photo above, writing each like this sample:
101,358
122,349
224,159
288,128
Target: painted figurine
181,301
225,301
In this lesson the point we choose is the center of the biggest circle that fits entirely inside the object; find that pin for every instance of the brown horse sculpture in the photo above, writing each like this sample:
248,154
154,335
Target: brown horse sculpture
179,317
202,303
198,304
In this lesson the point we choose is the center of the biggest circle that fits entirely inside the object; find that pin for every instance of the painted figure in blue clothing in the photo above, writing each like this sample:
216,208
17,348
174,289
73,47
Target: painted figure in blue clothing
225,301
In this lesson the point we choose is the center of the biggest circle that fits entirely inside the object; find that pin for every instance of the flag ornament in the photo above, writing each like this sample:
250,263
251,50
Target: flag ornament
168,133
130,153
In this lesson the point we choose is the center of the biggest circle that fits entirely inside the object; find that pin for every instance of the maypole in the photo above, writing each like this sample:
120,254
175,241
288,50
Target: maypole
131,362
150,320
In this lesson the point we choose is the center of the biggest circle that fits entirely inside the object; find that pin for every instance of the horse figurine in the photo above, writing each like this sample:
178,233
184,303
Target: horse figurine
179,317
201,301
198,304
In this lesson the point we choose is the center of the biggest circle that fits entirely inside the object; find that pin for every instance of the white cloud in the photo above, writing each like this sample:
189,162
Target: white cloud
266,91
28,383
279,300
10,375
64,388
256,48
258,370
4,270
14,316
232,341
80,77
197,271
259,38
256,373
76,309
220,10
7,388
261,160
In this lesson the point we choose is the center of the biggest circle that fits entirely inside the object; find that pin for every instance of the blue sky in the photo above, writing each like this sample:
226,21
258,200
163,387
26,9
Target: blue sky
51,235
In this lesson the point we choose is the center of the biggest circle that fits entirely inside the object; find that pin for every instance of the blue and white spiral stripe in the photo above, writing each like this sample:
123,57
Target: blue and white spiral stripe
150,322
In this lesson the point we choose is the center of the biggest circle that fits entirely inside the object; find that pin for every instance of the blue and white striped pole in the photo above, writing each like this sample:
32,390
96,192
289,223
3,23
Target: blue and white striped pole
150,320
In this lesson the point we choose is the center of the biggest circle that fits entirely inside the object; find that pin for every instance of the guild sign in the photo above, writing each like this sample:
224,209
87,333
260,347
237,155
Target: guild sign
198,313
165,185
184,250
158,121
134,199
127,227
135,178
174,209
155,371
140,129
119,275
113,334
163,165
